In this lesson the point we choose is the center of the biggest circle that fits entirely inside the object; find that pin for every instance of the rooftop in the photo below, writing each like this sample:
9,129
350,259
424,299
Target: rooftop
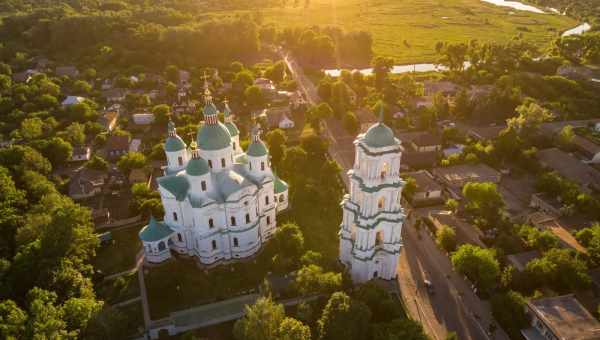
520,260
424,179
544,221
117,142
570,167
466,172
566,317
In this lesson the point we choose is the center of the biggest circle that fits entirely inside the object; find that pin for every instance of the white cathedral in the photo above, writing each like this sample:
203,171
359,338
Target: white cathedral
220,203
370,233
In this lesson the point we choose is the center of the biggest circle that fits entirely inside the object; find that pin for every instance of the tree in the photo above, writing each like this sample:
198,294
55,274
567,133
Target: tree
344,319
565,136
276,140
161,114
559,269
74,134
289,241
540,240
452,205
531,115
483,201
590,238
254,97
97,163
452,56
410,187
12,320
82,87
57,150
381,67
19,158
31,128
266,320
379,301
242,80
130,161
399,329
509,310
462,107
313,279
478,264
351,123
446,238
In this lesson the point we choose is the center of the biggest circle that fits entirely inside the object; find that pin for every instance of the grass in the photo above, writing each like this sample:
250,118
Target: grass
119,289
409,29
119,255
134,317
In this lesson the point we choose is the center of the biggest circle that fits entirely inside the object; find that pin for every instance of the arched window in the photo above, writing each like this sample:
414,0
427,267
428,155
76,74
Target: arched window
174,216
379,238
222,162
232,220
384,170
180,160
250,164
234,146
262,166
247,218
353,231
179,238
235,242
214,244
210,163
266,200
211,223
281,198
161,246
203,185
268,220
381,202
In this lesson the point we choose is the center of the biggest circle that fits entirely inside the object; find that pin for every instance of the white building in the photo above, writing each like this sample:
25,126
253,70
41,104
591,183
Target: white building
72,100
370,235
220,203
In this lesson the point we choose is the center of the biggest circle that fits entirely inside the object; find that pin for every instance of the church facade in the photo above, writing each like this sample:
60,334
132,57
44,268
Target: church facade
220,202
370,233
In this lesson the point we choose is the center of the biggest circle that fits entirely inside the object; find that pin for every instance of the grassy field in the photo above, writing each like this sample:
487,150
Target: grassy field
119,255
409,29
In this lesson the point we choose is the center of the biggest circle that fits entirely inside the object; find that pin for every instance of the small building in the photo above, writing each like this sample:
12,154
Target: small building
117,146
72,100
428,191
465,232
81,153
547,204
419,160
143,118
285,122
457,176
427,142
114,95
156,237
560,318
520,260
570,167
25,76
588,148
456,149
543,221
87,183
265,85
66,71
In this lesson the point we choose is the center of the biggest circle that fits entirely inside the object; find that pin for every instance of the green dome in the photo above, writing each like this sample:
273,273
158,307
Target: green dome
197,167
379,135
257,149
174,143
213,137
233,130
155,231
209,109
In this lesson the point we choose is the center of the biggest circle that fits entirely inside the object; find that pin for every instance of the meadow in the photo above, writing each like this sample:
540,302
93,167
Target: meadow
408,30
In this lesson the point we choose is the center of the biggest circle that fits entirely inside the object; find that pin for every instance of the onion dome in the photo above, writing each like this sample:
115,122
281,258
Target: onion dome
233,130
173,143
380,135
257,148
155,231
213,135
197,166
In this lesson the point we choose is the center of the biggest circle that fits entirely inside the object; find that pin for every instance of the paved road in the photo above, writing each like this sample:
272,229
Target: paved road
453,306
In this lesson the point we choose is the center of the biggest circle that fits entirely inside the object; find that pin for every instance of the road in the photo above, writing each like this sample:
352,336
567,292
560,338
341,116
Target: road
453,307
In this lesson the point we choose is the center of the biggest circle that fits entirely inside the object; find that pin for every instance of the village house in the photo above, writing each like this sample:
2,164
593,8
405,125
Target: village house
570,167
117,146
25,76
543,221
72,100
81,153
465,232
587,148
265,85
427,142
66,71
519,261
560,317
428,191
456,176
87,183
143,118
546,203
114,95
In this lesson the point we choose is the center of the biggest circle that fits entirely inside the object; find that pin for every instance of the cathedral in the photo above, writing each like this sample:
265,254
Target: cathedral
220,202
370,233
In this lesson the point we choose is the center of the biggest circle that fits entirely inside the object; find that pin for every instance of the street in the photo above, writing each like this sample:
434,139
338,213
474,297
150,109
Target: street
453,306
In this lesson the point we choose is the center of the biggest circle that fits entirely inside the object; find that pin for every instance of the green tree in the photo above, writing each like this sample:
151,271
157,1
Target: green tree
97,163
292,329
452,205
276,140
313,279
57,150
381,68
12,320
399,329
344,319
560,270
31,128
82,87
290,245
509,310
254,97
74,134
241,81
130,161
478,264
351,123
161,114
565,136
540,240
483,201
531,115
379,301
445,238
19,158
410,187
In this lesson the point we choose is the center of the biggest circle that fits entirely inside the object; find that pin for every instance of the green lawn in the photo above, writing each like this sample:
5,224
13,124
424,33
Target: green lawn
134,318
119,289
119,255
422,23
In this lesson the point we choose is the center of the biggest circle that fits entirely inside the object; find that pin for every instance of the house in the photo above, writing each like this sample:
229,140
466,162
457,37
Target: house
40,62
109,119
456,149
428,191
81,153
456,176
114,95
87,183
570,167
588,148
520,260
72,100
138,176
543,221
560,318
107,84
285,122
134,145
418,160
116,146
465,232
25,76
427,142
66,71
547,204
265,85
143,118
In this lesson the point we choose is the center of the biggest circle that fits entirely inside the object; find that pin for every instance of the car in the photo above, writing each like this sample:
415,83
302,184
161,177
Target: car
429,286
